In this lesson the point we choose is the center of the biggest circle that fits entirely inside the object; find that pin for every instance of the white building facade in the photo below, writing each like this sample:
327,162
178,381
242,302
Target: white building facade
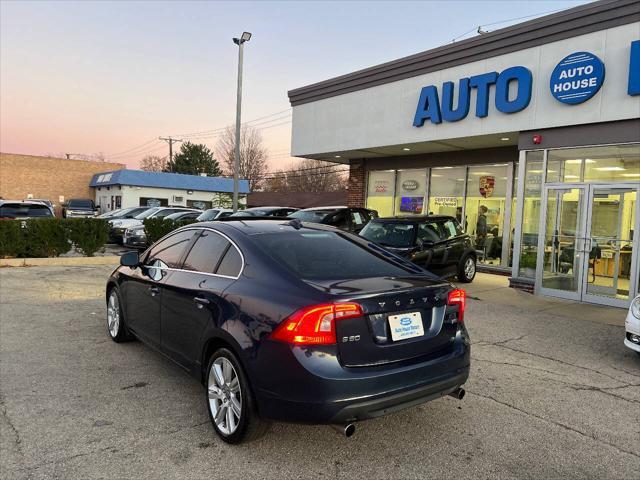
132,188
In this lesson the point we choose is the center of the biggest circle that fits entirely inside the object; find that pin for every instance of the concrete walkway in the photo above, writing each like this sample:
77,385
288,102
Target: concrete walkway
495,288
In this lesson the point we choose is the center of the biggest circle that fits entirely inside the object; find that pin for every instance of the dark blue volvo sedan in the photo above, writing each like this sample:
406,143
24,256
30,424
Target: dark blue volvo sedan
288,321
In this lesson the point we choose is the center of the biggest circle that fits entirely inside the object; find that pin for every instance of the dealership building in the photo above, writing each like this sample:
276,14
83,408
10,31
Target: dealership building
132,188
529,135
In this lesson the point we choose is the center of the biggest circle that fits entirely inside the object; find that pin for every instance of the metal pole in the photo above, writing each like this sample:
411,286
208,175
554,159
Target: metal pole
238,114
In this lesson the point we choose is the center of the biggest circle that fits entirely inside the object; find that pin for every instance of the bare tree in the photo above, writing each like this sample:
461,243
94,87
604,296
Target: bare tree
153,163
253,155
308,176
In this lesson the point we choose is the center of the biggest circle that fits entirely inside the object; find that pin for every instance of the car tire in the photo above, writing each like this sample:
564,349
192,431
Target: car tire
116,327
467,269
228,393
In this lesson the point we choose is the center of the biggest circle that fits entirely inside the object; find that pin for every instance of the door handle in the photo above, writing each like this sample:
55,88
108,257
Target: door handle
154,290
201,302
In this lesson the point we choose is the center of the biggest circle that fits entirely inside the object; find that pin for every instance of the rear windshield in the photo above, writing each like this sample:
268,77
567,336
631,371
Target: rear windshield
19,210
146,213
314,216
208,215
319,255
388,234
75,203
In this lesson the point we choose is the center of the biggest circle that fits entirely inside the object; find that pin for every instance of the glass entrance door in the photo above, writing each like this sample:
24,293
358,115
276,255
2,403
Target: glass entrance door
610,253
589,243
560,247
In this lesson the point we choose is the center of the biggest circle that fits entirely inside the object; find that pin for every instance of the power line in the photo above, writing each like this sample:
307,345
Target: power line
118,154
243,123
170,141
477,28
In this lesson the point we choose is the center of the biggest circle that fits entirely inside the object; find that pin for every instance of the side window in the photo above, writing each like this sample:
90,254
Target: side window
451,229
206,252
225,214
429,232
340,220
231,263
164,213
170,250
358,219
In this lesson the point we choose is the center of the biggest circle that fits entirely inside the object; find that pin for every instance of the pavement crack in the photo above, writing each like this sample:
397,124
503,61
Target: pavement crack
17,441
557,360
517,365
604,391
556,423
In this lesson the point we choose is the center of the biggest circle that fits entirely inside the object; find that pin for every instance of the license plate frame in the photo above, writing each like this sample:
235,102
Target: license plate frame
405,326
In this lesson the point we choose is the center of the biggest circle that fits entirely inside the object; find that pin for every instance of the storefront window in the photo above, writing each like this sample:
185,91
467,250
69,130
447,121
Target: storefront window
611,163
531,213
380,192
411,192
484,210
446,192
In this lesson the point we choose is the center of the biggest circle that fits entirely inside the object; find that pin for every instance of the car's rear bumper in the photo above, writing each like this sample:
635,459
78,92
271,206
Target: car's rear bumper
319,390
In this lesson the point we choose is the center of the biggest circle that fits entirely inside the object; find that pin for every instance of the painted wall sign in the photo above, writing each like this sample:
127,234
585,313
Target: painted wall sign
577,78
512,94
410,185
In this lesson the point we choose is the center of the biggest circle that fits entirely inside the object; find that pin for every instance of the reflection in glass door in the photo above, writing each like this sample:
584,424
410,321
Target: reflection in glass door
561,245
610,244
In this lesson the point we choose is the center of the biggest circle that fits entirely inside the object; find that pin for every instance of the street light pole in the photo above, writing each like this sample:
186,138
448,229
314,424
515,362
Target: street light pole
236,164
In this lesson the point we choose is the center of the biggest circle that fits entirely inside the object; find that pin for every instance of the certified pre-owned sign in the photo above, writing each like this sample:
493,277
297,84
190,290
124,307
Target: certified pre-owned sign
577,78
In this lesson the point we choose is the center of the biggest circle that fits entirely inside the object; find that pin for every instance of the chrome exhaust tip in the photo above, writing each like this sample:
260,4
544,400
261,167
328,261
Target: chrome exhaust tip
458,393
347,430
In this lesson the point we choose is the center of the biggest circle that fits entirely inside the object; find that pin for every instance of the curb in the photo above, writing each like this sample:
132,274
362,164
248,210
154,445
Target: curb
59,261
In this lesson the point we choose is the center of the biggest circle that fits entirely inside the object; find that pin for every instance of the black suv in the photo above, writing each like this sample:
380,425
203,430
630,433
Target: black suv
79,208
436,243
344,218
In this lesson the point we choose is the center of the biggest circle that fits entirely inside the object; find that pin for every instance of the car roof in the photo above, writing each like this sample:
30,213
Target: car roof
311,209
413,218
24,202
250,226
268,208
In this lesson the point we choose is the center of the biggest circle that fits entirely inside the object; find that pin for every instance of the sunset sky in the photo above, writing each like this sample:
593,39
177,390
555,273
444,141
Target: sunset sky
110,77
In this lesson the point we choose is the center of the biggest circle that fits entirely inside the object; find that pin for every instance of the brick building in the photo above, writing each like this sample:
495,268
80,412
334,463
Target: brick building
55,179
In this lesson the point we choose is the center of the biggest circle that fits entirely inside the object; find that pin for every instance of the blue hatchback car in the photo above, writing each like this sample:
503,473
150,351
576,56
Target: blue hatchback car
288,321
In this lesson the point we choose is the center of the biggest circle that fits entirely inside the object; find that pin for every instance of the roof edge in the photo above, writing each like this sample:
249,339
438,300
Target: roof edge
568,23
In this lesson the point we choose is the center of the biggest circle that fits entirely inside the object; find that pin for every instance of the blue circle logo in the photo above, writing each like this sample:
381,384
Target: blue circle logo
577,78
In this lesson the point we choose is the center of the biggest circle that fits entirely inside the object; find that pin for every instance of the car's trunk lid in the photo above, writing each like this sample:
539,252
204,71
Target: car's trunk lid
386,302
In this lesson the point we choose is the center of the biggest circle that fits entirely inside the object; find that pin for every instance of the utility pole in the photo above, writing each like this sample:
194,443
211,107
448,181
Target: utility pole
245,37
170,141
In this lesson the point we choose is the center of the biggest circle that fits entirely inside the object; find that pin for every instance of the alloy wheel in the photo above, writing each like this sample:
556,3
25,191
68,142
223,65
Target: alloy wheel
113,314
469,268
225,396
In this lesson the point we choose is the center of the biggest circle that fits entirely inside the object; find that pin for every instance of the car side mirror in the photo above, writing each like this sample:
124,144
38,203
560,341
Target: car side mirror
130,259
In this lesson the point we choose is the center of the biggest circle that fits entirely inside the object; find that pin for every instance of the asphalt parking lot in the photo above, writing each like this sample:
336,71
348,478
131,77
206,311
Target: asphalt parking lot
553,393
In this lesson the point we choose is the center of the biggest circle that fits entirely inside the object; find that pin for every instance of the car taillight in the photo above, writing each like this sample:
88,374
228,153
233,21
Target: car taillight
459,298
315,325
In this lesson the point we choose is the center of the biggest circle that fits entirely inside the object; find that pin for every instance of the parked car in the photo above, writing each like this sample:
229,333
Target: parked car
436,243
214,214
48,203
79,208
190,215
632,326
137,236
120,225
129,212
344,218
24,209
288,321
265,212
